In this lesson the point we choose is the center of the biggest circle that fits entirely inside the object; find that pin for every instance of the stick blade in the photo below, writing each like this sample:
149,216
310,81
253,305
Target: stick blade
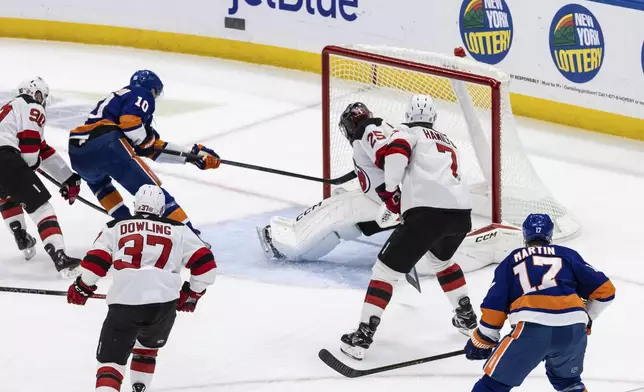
334,363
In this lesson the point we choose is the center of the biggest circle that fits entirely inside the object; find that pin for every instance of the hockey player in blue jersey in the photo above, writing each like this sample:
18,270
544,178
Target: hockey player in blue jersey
117,133
540,289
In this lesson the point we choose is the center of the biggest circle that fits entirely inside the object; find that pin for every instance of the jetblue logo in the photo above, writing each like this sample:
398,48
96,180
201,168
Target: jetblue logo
344,9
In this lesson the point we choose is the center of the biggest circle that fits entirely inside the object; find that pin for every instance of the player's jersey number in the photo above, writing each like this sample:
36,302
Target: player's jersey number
133,244
446,149
375,136
547,280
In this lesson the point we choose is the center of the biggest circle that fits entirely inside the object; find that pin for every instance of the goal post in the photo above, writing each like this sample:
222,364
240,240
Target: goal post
473,107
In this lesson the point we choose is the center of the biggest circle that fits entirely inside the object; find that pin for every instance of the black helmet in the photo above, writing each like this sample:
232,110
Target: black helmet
352,116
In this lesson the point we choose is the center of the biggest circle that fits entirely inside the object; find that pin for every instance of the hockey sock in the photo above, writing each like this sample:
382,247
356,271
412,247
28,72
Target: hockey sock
48,226
109,377
143,363
12,212
111,199
379,292
452,281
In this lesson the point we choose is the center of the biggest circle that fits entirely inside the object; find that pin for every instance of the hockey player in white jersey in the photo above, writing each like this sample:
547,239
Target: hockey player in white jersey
23,150
146,252
422,183
348,214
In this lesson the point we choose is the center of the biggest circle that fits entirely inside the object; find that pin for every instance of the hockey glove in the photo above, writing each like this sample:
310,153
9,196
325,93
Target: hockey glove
188,299
70,189
209,160
146,147
390,198
479,346
79,292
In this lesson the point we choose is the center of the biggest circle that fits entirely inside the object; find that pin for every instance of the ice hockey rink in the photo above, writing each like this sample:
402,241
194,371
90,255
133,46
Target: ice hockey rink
260,327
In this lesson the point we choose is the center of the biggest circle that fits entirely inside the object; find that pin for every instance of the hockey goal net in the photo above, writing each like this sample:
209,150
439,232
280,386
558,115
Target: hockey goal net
473,105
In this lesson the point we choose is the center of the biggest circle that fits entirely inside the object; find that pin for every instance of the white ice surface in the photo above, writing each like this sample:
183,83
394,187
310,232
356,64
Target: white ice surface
260,327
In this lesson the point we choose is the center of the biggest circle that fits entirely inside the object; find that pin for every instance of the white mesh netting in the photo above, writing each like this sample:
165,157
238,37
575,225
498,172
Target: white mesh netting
464,114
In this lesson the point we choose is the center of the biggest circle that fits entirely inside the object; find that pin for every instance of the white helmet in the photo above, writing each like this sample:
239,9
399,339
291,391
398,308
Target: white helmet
421,109
32,87
149,199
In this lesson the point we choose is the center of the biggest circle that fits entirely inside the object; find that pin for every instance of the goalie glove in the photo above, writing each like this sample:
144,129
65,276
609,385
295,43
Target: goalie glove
209,160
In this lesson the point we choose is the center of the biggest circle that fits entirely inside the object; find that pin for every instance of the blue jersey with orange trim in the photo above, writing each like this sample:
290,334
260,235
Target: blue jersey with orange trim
543,285
128,110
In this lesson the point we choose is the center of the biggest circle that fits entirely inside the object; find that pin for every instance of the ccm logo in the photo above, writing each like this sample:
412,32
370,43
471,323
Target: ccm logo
485,237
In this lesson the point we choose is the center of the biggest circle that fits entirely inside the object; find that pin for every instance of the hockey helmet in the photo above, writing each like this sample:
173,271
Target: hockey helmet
421,108
351,117
149,199
148,80
36,88
538,227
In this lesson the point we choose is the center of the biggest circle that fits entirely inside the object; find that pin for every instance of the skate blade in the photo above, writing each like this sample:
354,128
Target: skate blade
71,273
465,331
262,242
352,352
29,253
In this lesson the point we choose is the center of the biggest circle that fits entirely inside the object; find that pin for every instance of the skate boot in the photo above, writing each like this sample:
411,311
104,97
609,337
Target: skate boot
266,241
138,387
354,344
67,266
25,242
464,318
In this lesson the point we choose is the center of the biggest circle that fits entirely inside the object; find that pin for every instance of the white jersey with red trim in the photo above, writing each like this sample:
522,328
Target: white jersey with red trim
22,122
368,156
424,163
147,254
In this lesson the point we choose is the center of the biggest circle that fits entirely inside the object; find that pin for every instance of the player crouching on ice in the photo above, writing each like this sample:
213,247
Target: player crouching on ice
147,252
116,134
23,150
540,288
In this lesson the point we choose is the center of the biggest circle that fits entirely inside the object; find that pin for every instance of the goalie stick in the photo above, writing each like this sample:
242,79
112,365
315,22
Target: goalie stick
22,290
334,363
334,181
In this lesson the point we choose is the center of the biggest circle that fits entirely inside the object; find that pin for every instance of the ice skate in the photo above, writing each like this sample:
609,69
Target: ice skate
266,242
138,387
67,266
25,242
355,344
464,318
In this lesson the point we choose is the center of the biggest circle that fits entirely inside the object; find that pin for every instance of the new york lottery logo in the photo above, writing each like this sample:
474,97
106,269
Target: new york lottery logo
486,29
576,43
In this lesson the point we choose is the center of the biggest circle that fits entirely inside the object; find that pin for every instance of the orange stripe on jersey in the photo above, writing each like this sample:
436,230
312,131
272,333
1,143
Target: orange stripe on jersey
490,366
178,215
493,317
87,128
604,291
129,121
548,302
138,160
111,200
516,333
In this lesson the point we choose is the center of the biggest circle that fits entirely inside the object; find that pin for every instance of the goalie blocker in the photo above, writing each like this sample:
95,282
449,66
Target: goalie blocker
349,214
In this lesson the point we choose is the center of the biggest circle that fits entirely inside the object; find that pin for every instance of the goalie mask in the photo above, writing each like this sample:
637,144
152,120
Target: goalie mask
351,117
421,109
36,88
149,199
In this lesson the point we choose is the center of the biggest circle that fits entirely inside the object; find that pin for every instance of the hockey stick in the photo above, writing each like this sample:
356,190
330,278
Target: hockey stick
22,290
347,371
80,198
334,181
